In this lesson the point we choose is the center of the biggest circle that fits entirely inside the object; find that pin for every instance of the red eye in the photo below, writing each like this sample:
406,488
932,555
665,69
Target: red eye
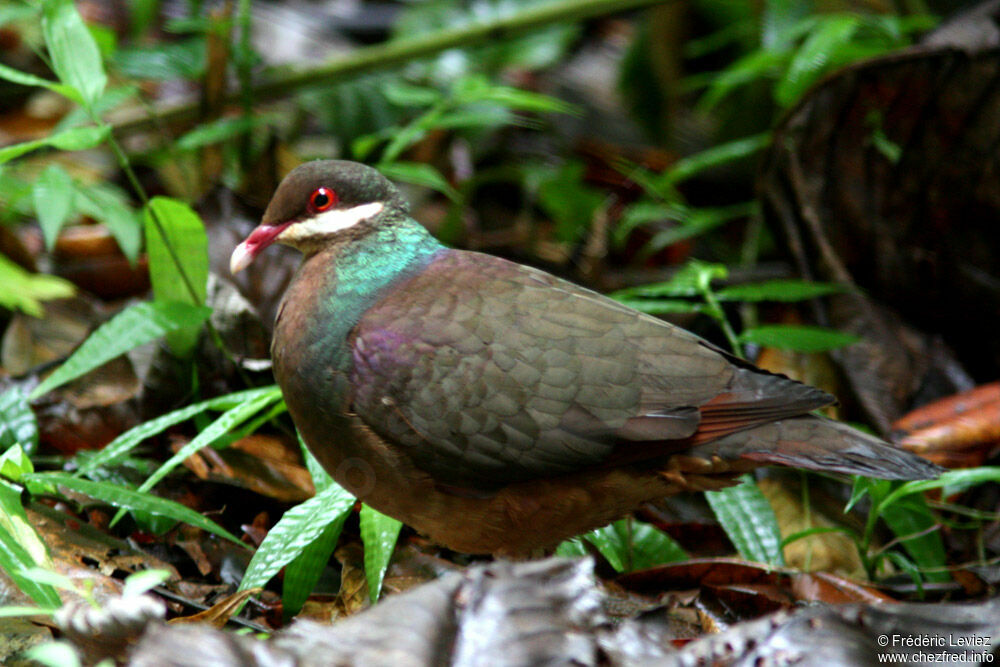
322,199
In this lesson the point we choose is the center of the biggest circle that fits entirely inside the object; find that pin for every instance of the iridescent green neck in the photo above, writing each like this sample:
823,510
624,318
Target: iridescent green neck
355,276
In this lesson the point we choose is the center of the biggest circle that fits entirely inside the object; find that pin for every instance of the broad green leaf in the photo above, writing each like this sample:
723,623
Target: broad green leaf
571,548
219,130
634,547
175,233
124,443
748,519
302,574
76,59
379,534
798,338
134,326
108,205
910,520
25,291
779,290
21,548
296,530
17,422
53,194
130,499
419,173
25,79
74,139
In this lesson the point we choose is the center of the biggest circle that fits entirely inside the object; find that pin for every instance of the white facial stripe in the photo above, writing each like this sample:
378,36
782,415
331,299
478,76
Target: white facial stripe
330,222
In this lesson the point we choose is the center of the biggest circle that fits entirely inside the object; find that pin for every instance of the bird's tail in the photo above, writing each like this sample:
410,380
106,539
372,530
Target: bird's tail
817,443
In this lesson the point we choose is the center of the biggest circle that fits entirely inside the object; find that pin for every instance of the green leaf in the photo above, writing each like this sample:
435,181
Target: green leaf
404,94
952,481
566,199
798,338
181,60
222,425
25,79
644,212
695,222
748,519
219,130
14,464
118,448
24,291
139,583
634,545
379,534
302,574
130,499
76,59
180,230
110,206
911,521
53,195
813,57
13,612
134,326
54,654
571,548
683,283
17,422
755,66
420,174
74,139
478,88
297,529
779,290
661,306
21,548
715,156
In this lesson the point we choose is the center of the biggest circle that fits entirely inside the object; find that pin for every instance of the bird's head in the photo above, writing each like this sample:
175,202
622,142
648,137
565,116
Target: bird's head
318,202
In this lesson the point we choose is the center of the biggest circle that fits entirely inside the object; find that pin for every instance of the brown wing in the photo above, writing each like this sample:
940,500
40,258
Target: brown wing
488,373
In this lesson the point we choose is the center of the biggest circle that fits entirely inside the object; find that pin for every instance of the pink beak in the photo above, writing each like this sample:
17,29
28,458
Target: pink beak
260,238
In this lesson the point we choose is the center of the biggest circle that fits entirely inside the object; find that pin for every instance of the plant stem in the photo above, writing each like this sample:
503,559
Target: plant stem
401,51
717,313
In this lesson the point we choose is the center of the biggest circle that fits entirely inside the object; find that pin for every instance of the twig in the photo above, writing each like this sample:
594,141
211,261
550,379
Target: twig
400,51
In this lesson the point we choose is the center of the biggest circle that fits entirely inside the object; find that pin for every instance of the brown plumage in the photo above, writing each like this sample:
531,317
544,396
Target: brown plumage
497,408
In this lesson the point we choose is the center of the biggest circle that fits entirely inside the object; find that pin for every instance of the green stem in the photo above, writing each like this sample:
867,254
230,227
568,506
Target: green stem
717,313
397,52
